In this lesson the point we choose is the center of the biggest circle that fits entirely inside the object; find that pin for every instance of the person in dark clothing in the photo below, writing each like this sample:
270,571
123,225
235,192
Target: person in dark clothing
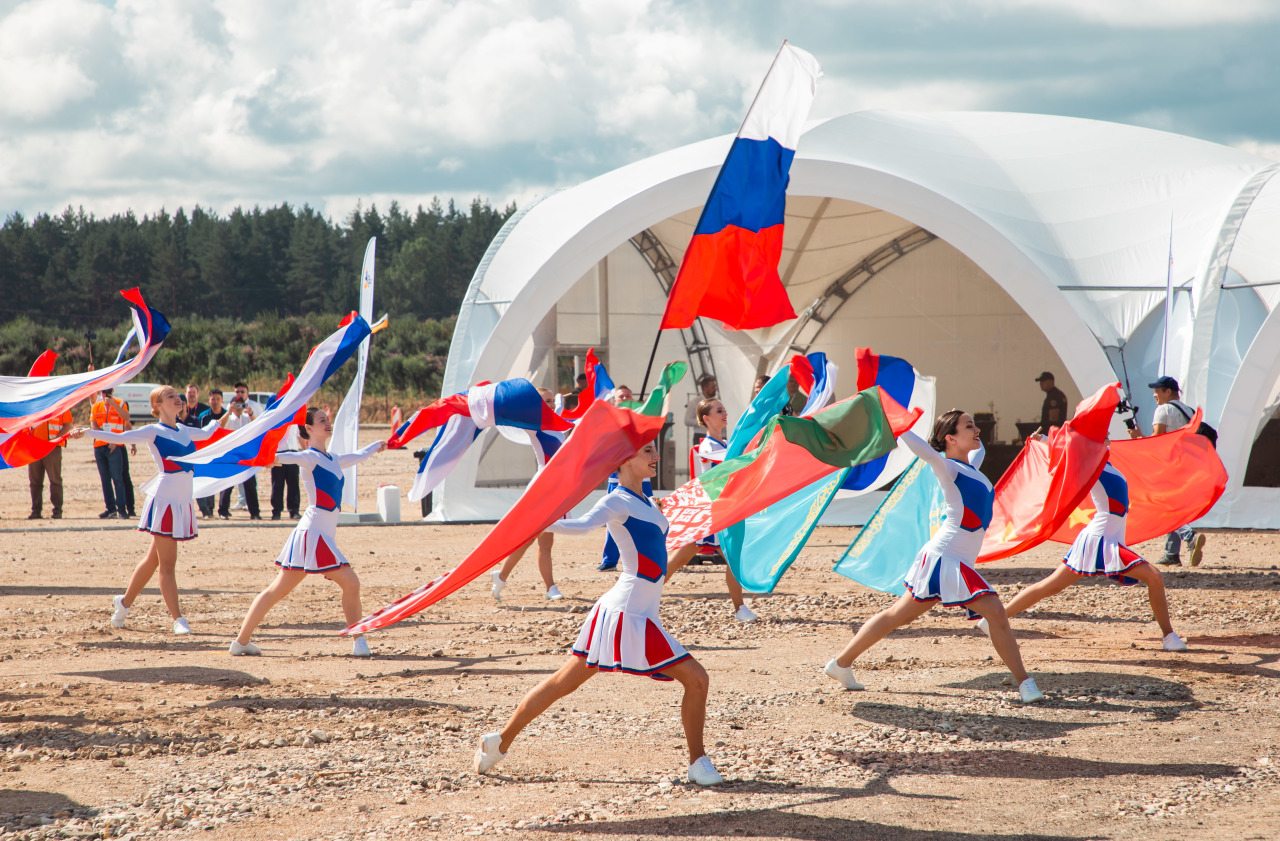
1054,410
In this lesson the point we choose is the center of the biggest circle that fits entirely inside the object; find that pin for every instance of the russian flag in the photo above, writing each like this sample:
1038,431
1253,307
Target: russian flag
20,448
730,270
27,401
514,404
599,387
233,458
908,388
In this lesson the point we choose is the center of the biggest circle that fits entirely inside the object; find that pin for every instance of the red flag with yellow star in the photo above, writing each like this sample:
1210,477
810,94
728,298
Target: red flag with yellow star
1049,479
1174,479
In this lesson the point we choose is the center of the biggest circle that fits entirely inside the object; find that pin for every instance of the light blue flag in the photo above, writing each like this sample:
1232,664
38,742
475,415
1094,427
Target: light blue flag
882,553
760,548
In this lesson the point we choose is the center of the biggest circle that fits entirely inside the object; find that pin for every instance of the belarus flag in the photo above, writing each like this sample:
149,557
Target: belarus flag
730,270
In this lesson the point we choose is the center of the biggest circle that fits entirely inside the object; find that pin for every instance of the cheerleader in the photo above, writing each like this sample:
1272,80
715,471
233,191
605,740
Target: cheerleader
622,633
168,514
1099,550
713,417
943,570
312,547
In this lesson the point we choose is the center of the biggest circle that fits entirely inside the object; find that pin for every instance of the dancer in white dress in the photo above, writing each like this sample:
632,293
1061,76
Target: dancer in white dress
622,633
169,513
1099,549
713,417
943,571
312,548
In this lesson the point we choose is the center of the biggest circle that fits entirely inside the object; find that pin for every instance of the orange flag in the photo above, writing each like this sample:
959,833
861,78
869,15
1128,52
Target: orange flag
1174,479
1048,480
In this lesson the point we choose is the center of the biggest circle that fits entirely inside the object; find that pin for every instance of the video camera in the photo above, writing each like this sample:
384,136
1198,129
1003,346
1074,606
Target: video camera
1123,406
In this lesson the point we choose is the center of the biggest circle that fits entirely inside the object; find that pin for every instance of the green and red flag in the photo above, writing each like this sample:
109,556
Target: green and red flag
606,436
794,453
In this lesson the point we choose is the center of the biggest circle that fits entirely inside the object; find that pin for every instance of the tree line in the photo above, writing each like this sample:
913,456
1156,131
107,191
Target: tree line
67,268
248,295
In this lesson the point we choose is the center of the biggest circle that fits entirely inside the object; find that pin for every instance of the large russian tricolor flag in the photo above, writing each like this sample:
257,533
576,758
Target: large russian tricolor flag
232,459
730,270
26,401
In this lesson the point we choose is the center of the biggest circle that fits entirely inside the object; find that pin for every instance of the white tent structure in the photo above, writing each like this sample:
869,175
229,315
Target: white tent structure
983,247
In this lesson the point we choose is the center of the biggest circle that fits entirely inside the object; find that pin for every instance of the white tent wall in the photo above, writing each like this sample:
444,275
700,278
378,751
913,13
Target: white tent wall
1053,239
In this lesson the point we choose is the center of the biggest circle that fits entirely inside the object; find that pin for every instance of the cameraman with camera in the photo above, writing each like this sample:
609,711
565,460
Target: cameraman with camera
1170,414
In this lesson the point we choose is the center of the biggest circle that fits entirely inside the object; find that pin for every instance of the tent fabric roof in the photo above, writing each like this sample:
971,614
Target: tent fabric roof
1073,218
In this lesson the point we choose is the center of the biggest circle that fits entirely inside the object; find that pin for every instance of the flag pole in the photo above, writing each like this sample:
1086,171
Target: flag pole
1168,306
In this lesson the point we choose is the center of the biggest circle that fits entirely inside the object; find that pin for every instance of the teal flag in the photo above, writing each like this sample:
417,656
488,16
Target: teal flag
882,553
760,548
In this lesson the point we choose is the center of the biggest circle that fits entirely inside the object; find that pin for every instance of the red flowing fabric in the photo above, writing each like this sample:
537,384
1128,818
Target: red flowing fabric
732,276
430,416
1174,479
1047,480
588,395
22,447
606,436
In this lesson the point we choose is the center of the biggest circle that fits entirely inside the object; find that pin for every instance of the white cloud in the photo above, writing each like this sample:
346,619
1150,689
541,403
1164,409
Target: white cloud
42,54
1153,14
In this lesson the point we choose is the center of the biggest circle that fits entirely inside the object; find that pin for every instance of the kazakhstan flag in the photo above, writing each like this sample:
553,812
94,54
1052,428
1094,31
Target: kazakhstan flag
882,553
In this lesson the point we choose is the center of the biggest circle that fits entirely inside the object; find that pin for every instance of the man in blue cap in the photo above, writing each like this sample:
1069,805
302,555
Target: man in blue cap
1170,414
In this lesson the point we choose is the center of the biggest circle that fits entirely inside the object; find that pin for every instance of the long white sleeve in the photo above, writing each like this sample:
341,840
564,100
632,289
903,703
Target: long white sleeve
601,514
347,459
921,449
976,456
138,435
302,457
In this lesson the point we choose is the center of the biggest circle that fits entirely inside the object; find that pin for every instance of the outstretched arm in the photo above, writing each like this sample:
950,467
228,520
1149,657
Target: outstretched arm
601,514
348,459
139,435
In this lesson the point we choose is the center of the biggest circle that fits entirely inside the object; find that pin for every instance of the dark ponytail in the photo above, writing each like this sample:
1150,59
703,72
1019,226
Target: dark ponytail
945,425
311,419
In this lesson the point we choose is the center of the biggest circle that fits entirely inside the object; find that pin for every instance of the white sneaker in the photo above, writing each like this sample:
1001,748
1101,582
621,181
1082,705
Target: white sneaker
984,627
488,755
180,626
240,506
1030,693
844,675
121,613
703,773
238,650
554,594
745,614
360,648
1173,642
498,584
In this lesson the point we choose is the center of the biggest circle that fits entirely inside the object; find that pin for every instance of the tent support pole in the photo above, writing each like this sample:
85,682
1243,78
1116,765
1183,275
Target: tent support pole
644,386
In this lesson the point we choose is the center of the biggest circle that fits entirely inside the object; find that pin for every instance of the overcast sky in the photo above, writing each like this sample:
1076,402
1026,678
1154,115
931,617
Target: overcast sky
139,104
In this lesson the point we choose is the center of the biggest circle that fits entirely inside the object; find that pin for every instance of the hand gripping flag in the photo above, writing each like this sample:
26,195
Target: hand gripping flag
730,270
907,388
606,436
26,401
1048,479
513,403
599,387
21,447
1174,479
229,460
795,453
761,548
1033,499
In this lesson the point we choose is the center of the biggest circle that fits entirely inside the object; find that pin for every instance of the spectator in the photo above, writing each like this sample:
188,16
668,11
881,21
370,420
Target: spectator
707,389
50,465
623,394
192,408
284,477
242,412
214,412
110,415
1054,410
761,382
1170,414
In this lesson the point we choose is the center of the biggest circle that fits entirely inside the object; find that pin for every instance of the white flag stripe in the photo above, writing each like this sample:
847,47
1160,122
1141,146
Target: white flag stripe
781,107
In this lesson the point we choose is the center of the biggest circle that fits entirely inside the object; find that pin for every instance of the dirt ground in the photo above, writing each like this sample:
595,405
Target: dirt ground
137,733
